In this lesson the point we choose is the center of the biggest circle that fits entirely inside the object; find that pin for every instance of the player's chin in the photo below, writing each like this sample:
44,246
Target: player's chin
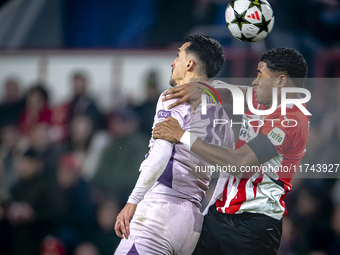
172,82
258,99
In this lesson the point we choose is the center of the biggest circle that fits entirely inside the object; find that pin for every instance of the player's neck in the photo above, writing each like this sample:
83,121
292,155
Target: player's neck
288,96
188,78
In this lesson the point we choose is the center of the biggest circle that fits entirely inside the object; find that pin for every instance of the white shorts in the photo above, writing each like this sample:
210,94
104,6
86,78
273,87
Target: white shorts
163,224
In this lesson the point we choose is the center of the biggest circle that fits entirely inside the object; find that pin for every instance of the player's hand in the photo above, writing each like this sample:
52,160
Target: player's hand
185,93
169,130
123,220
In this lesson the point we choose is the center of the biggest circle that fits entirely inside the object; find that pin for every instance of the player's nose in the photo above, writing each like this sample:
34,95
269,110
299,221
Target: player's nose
254,83
173,64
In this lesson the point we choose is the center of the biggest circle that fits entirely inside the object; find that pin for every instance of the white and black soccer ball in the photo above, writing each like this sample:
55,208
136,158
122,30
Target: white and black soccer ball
249,20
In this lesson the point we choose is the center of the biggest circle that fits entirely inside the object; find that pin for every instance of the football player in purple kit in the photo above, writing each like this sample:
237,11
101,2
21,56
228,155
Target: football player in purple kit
164,205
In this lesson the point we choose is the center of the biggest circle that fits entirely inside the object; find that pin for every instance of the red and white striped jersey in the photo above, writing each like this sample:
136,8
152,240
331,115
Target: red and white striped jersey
263,192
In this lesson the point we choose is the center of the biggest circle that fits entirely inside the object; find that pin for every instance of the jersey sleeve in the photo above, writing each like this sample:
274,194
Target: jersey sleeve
275,137
281,131
159,154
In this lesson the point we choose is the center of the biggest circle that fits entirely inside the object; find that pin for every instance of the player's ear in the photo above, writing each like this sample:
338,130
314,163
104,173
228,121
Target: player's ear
282,80
190,65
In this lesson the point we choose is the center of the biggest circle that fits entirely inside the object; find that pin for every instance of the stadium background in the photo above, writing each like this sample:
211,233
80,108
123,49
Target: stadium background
68,161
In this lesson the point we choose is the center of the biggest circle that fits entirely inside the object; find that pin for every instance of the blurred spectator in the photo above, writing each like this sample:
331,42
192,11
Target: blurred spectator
104,237
37,109
77,219
146,111
82,104
58,119
117,171
86,144
52,246
86,249
49,153
10,150
81,133
311,217
35,207
12,93
12,105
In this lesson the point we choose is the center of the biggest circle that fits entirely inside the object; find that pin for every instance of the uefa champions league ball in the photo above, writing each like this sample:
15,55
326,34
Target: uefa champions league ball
249,20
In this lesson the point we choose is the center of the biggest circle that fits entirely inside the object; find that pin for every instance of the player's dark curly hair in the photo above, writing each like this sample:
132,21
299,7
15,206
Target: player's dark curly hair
209,52
289,61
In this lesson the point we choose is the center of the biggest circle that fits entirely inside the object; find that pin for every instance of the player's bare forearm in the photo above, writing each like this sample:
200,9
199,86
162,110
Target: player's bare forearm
217,155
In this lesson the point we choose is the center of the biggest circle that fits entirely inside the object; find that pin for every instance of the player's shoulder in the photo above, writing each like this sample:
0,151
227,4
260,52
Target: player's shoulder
293,124
163,112
166,104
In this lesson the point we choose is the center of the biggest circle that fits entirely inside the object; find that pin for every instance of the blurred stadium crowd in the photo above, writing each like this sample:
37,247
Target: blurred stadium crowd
67,170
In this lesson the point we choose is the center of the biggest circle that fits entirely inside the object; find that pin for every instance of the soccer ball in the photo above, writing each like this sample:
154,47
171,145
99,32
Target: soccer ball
249,20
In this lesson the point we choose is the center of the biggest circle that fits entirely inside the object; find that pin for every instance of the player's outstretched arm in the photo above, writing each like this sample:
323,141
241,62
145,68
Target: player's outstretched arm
171,131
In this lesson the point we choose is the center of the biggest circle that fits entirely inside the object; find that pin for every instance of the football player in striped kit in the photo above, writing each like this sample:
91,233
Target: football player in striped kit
164,205
245,216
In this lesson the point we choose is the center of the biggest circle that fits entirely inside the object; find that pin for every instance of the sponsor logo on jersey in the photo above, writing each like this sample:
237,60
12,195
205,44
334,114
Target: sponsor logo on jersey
276,136
163,114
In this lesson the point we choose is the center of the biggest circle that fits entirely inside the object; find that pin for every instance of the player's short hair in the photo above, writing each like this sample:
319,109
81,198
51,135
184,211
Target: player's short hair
289,61
209,52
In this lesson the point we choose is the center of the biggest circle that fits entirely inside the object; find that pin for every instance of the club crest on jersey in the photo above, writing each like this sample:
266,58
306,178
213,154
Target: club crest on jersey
276,136
162,115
